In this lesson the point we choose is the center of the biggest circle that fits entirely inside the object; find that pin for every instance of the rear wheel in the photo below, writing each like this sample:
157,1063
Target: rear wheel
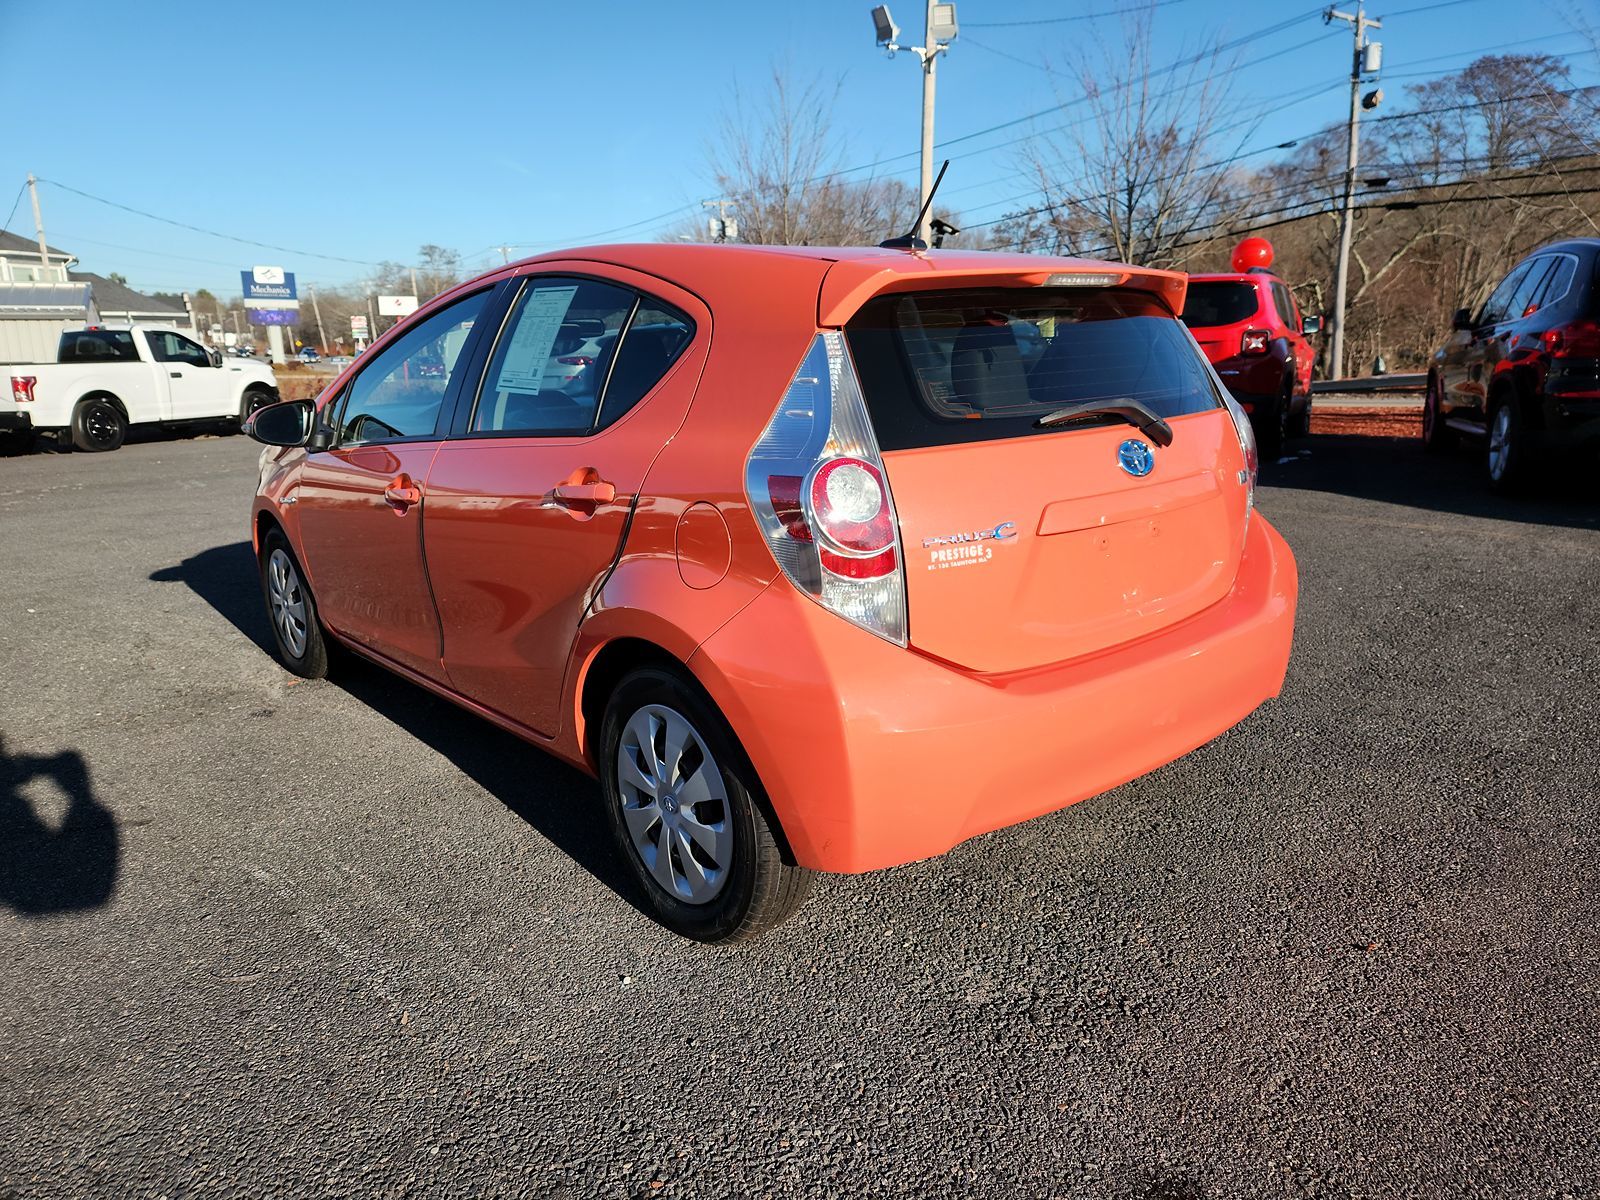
1300,422
1507,457
688,813
1436,435
98,425
1272,425
291,609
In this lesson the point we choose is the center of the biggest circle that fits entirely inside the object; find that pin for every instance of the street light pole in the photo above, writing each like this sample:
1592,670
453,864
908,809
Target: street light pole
939,31
1359,23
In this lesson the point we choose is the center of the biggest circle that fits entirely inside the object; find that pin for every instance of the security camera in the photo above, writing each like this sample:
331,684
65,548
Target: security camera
888,32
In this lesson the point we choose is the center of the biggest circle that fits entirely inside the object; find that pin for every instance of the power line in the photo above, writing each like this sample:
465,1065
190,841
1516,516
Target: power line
14,204
209,232
1110,12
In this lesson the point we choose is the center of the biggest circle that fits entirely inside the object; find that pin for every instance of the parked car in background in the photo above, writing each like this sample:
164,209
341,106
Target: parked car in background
1250,328
1521,376
861,577
243,351
309,354
107,378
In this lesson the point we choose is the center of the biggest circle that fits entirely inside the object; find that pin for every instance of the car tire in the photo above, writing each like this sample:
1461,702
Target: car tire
1272,427
253,399
291,609
1505,461
714,868
1436,435
98,425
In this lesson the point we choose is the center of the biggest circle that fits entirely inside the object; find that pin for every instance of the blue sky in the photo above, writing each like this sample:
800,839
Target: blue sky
361,131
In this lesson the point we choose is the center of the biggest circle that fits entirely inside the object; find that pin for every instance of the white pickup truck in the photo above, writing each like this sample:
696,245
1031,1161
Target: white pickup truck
108,377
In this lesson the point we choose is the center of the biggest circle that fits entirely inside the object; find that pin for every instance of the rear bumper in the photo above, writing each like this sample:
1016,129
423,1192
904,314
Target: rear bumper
873,755
15,422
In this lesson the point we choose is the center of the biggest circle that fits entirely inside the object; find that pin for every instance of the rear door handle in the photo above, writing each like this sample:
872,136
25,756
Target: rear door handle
402,493
584,493
176,374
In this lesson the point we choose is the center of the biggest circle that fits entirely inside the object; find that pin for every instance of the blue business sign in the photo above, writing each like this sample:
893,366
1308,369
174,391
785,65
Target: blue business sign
268,283
272,316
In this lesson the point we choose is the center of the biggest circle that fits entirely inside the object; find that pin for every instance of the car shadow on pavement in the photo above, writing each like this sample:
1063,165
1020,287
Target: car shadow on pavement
1400,471
558,801
48,868
225,578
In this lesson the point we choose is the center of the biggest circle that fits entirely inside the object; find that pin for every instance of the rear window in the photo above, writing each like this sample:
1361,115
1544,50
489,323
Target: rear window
939,368
97,345
1219,304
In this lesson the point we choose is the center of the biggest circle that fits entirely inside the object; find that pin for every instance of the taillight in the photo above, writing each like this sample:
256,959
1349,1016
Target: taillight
1255,341
817,487
22,388
1577,339
1247,448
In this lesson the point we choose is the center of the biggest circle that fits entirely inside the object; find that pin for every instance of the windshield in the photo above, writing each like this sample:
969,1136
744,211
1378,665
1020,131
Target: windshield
1219,303
961,366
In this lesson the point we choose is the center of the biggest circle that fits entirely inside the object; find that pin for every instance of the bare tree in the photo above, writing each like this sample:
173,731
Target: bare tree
778,161
1131,180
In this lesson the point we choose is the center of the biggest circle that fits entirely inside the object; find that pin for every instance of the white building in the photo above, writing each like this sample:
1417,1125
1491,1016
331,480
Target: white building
40,299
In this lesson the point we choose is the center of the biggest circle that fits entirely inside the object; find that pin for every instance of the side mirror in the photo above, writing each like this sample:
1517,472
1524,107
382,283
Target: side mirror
1462,319
287,423
1310,325
216,357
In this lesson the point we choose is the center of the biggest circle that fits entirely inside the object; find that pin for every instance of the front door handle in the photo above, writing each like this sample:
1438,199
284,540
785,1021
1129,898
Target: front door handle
401,493
176,374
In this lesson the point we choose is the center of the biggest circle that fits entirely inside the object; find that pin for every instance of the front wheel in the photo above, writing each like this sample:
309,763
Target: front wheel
98,425
292,610
254,398
688,813
1436,435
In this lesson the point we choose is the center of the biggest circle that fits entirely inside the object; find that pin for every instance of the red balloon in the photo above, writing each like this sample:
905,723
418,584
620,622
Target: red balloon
1252,252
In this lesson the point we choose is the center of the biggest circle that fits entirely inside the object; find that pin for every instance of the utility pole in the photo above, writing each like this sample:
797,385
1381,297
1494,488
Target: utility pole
414,290
322,334
505,255
722,229
1359,65
372,313
939,31
38,224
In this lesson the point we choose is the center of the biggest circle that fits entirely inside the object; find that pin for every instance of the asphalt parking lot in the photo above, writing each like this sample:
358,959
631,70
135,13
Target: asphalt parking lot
266,937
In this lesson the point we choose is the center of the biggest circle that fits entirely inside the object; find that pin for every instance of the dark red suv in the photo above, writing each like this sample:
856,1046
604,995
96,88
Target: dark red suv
1250,328
1523,373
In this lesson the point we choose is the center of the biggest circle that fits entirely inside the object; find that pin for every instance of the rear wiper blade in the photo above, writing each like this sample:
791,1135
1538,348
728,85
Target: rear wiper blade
1144,419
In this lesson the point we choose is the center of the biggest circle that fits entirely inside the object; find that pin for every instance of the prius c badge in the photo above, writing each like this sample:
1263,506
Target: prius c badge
1134,457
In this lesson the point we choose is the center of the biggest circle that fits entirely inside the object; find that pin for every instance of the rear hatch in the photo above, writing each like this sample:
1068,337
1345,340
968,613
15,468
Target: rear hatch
1218,311
1027,545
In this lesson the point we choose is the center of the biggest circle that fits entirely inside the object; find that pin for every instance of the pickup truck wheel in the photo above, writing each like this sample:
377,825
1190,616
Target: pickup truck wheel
688,813
254,398
98,425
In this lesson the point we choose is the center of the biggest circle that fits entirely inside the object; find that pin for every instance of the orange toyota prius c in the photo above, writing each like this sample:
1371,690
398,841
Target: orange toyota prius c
820,559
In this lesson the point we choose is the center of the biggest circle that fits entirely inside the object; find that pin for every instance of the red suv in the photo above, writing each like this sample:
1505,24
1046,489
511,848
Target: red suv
1250,328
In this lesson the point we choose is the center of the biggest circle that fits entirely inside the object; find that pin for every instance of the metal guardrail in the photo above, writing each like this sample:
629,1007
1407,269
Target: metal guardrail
1372,383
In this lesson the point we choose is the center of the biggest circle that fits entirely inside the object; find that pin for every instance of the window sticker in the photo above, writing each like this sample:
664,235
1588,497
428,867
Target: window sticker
537,327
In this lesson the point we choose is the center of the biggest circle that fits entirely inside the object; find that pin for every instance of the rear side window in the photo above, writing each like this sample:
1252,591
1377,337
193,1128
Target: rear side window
940,368
575,355
1219,303
1558,283
1522,298
97,345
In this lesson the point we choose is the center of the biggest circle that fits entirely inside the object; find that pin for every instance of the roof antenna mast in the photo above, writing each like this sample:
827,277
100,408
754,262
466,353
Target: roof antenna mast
911,241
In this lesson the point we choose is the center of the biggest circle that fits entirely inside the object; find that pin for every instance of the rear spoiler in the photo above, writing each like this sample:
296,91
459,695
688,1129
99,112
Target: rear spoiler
849,284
